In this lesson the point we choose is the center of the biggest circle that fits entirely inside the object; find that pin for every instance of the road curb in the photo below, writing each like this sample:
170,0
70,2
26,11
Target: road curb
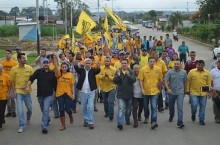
208,45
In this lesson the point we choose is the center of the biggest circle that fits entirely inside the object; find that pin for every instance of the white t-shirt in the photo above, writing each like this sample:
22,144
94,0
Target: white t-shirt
215,74
137,89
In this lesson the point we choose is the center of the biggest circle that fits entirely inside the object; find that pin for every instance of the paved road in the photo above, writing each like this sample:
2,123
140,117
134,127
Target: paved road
106,133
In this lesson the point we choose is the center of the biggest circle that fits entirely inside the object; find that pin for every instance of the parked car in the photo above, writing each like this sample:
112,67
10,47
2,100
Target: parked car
216,50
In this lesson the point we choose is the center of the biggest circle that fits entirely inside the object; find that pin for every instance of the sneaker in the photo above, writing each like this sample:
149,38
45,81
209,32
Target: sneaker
8,115
171,119
44,131
217,121
146,120
201,122
135,125
13,114
106,115
120,127
20,130
180,125
193,117
154,125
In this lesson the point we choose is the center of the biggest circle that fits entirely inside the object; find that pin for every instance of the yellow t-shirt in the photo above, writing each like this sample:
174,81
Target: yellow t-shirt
7,65
130,45
143,60
171,64
99,59
196,79
150,78
4,85
161,64
107,84
120,46
113,61
20,76
65,84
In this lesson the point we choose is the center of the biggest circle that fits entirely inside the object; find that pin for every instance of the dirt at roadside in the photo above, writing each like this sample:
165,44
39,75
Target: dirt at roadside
45,42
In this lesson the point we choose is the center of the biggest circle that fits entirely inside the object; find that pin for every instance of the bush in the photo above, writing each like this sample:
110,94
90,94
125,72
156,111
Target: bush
47,30
168,28
6,31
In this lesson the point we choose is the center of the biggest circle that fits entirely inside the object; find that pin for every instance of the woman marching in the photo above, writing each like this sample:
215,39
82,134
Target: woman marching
65,91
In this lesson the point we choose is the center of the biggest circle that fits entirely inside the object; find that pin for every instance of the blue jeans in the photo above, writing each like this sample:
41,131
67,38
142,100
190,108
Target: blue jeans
87,101
109,98
124,110
26,98
172,99
201,101
73,105
44,106
64,102
153,99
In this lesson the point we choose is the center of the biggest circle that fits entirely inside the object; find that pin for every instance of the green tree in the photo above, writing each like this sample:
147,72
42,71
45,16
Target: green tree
14,11
176,19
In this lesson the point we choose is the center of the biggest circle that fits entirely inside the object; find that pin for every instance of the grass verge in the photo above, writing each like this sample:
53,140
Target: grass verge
31,58
2,53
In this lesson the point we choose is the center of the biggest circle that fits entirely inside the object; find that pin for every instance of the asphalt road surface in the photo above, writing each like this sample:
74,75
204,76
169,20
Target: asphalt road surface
106,132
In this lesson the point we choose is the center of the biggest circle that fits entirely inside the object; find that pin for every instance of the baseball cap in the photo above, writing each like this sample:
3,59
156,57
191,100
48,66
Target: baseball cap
17,48
45,60
122,52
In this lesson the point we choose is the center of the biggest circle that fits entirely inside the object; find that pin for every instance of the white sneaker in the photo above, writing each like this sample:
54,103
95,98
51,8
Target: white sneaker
20,130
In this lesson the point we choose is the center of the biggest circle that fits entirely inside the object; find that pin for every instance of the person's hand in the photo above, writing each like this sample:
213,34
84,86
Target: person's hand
27,89
118,73
159,85
98,64
169,91
127,73
143,91
106,75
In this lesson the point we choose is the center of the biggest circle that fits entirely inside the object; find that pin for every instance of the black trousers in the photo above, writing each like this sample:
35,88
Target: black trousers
138,105
160,101
3,104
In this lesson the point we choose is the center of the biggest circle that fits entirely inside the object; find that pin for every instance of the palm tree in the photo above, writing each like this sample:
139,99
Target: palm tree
176,19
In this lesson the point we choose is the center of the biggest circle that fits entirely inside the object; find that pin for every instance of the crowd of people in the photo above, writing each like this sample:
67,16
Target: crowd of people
136,71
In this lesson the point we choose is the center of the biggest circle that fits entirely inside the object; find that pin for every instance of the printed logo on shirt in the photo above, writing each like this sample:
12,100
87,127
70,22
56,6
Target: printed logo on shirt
66,80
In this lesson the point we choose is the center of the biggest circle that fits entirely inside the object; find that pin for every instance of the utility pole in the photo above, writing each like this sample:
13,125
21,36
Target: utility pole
98,9
65,5
71,15
38,27
187,8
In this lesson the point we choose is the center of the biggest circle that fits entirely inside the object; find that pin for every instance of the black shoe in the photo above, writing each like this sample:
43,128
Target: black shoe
180,125
85,124
166,106
106,115
128,123
13,114
74,111
154,125
44,131
161,109
56,116
3,122
171,119
193,117
135,125
120,127
139,118
95,109
8,115
201,122
111,118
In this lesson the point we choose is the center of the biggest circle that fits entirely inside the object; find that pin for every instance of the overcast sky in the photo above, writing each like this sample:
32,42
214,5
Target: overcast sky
125,5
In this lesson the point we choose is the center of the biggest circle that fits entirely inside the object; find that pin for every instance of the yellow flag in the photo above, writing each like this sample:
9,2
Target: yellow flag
105,25
85,23
62,41
116,19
